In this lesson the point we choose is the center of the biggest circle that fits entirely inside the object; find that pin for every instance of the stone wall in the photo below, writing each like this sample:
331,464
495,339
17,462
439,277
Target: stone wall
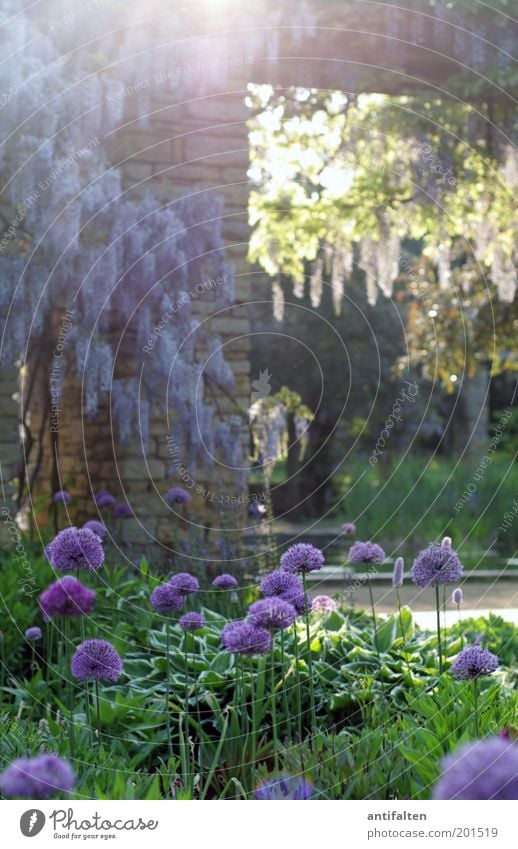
201,144
10,453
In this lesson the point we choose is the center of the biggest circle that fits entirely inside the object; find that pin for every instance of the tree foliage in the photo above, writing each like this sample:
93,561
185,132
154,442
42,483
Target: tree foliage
349,180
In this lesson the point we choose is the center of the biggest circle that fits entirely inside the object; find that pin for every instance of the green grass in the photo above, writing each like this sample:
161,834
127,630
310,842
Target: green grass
413,500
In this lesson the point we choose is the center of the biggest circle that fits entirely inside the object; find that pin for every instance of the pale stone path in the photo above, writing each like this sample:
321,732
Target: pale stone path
479,597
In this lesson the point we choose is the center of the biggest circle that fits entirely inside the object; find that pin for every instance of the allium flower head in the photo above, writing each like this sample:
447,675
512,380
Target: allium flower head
280,583
177,495
487,769
323,604
303,603
301,558
285,787
97,528
122,510
348,528
103,498
66,597
37,778
33,634
225,582
474,661
61,497
96,660
75,548
287,586
166,599
366,552
457,596
398,573
437,564
272,613
245,638
184,583
192,621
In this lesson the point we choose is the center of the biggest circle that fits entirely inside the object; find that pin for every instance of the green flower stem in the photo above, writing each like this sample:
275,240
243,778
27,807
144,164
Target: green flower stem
2,670
98,708
399,614
85,685
195,680
439,642
445,629
475,702
254,722
168,687
374,621
50,647
184,749
186,674
285,708
274,709
239,696
70,688
60,646
187,777
297,678
310,659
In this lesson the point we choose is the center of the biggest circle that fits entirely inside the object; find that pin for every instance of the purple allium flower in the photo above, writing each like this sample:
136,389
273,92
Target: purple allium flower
122,510
348,528
75,548
287,586
487,769
323,603
272,612
303,604
61,497
366,552
225,582
103,498
33,634
474,661
192,621
302,558
281,583
398,573
245,638
96,660
457,596
97,528
436,564
37,778
166,599
285,787
177,495
66,597
184,583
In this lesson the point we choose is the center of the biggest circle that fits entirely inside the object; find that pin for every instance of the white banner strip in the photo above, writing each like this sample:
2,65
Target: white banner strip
214,825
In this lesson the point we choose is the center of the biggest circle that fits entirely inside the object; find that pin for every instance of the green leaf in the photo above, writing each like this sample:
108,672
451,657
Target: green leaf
386,634
405,623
